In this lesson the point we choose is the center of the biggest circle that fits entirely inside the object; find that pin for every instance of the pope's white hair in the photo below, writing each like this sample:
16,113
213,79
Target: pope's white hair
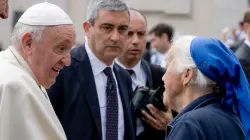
95,5
182,60
20,29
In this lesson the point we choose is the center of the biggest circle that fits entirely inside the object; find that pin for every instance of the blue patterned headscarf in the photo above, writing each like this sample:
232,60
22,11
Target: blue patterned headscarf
219,64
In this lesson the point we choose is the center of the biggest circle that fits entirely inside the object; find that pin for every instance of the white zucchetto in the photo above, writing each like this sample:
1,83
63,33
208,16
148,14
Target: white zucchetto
45,14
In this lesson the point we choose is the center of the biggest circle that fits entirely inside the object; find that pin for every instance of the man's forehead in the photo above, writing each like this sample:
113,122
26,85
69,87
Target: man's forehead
102,10
60,32
111,16
137,24
136,15
137,29
60,28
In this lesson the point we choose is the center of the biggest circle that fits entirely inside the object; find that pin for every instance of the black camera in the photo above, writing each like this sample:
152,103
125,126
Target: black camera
144,96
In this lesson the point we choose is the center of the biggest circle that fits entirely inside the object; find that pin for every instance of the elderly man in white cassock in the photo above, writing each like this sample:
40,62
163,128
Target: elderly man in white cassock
40,47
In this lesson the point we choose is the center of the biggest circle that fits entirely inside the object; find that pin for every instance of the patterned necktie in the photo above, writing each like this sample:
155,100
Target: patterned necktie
130,71
112,107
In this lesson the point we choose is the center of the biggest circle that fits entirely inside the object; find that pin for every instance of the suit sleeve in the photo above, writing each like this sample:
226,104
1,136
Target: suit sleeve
185,130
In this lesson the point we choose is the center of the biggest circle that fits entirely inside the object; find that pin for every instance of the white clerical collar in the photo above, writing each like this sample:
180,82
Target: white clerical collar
23,63
247,42
136,68
97,65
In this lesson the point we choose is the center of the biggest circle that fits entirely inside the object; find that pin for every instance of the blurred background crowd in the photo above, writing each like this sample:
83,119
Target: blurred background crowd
203,78
221,19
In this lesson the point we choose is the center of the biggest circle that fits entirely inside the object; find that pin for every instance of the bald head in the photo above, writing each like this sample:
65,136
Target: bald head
137,22
139,14
136,41
4,9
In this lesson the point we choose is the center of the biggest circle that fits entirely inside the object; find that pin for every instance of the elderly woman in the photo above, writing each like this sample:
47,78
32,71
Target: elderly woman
197,66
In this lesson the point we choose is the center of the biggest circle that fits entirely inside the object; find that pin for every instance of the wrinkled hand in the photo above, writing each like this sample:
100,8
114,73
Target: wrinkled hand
159,119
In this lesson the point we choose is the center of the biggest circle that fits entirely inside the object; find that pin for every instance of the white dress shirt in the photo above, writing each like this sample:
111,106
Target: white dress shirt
159,59
138,79
100,82
163,57
247,42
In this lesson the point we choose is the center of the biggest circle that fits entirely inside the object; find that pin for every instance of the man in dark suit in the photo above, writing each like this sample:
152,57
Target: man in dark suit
143,74
91,97
243,50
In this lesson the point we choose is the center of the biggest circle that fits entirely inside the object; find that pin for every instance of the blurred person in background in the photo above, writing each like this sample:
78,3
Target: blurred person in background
4,9
227,37
206,85
239,33
143,74
4,13
243,50
239,36
161,37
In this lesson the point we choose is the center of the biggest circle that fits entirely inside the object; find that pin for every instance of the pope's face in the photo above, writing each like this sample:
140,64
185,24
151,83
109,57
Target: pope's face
51,53
4,9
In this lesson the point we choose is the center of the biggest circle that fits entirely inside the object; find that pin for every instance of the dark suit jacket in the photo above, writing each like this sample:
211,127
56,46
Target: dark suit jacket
242,53
153,73
153,81
75,101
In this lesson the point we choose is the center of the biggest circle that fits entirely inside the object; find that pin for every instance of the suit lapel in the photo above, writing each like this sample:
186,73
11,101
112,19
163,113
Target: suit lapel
85,76
147,71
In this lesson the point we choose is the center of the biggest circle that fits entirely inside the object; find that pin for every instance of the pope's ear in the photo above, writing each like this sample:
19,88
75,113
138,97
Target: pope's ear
87,28
26,42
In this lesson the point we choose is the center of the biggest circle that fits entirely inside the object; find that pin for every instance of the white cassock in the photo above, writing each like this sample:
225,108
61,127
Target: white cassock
25,110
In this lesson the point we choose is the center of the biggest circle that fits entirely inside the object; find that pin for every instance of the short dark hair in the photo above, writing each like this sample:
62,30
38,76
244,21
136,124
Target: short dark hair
162,28
246,18
111,5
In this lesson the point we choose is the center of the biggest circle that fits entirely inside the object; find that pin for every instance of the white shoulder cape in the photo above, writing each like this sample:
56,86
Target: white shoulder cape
25,112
